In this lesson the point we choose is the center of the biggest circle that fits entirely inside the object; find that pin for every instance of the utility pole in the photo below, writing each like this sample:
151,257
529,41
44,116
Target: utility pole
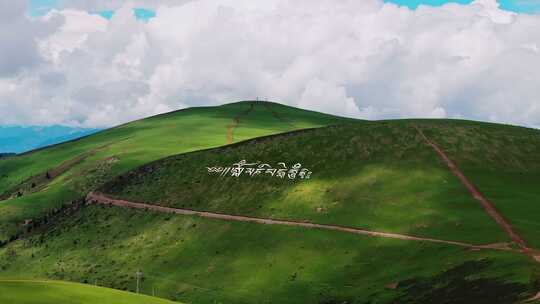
139,274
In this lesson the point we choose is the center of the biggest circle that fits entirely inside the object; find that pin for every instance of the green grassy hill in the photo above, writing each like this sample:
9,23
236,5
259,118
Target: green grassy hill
33,184
379,176
54,292
364,175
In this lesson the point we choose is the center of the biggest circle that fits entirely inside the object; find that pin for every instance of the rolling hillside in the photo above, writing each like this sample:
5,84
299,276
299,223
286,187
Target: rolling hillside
382,218
198,260
35,184
54,292
364,176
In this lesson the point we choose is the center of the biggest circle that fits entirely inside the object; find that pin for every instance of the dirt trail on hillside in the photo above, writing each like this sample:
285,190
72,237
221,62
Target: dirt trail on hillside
486,204
535,298
98,198
276,114
236,122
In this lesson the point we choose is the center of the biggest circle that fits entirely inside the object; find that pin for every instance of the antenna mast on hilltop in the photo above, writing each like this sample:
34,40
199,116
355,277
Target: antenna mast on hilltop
139,275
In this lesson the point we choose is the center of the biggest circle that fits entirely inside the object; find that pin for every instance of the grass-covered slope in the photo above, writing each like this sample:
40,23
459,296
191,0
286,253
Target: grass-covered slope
372,175
55,292
504,163
203,261
33,184
378,176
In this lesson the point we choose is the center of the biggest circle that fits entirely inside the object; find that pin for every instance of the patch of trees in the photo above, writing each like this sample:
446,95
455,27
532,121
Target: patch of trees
51,217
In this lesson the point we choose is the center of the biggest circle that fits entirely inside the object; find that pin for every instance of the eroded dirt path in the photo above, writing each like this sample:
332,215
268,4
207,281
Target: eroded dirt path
535,298
484,202
98,198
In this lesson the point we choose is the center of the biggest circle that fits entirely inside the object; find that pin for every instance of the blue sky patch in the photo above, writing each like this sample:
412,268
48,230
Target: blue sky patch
105,14
518,6
143,14
521,6
42,7
140,13
413,4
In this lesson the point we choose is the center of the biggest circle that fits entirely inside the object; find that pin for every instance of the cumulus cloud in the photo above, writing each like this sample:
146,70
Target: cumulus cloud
18,35
362,59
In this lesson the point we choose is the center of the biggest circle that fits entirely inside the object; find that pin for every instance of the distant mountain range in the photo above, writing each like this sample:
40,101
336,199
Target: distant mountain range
19,139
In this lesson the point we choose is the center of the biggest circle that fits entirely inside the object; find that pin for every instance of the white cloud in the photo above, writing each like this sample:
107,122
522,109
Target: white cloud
329,98
356,58
72,34
18,36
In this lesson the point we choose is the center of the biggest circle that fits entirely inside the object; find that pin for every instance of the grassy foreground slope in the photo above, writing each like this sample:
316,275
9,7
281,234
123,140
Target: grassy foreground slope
377,175
54,292
203,261
503,162
33,184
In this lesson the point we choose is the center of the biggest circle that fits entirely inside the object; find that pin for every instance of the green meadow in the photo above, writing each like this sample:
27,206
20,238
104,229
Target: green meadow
376,176
54,292
196,260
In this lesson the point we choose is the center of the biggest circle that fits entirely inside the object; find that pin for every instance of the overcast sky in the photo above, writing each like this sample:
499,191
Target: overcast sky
95,63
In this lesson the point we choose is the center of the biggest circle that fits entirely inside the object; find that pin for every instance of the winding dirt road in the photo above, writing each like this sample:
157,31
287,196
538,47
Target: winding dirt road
98,198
